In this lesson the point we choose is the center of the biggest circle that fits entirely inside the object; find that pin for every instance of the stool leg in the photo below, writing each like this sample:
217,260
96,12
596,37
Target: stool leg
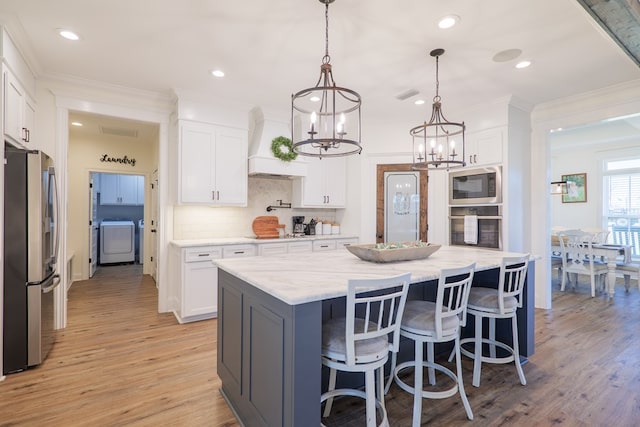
463,395
431,358
332,386
370,391
394,359
516,350
492,336
380,385
417,386
627,282
477,356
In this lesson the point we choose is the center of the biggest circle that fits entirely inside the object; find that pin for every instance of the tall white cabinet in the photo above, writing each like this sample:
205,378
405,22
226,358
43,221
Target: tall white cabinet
212,164
324,186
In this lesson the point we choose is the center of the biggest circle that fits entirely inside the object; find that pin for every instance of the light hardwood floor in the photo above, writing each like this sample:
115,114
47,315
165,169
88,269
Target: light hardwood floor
120,363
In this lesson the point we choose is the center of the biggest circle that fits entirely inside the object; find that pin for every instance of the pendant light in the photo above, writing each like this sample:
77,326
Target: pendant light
438,144
325,119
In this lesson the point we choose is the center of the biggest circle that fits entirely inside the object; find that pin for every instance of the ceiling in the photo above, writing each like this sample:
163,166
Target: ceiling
270,49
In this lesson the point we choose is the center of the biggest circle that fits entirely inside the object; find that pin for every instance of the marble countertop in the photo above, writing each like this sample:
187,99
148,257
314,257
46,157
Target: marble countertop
324,275
252,240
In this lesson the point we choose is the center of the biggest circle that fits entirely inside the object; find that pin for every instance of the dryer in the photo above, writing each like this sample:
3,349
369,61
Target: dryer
117,241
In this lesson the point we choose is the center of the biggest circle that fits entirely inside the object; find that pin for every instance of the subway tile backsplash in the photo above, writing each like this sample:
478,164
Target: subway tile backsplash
202,222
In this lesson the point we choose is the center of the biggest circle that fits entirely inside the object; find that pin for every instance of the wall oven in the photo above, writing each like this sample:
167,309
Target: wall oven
479,226
482,186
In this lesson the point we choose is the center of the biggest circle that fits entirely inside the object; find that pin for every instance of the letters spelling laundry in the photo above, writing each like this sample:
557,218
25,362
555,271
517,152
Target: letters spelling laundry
124,160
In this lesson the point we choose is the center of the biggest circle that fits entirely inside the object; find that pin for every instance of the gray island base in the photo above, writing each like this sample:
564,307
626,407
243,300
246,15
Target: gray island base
270,318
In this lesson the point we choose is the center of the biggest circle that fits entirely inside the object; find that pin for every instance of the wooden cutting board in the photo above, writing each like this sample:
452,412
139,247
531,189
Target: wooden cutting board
266,227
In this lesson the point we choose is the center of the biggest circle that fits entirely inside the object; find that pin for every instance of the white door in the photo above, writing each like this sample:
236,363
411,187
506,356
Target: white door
153,253
93,226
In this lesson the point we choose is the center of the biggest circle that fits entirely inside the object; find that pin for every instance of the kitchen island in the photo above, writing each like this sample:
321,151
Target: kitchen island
270,321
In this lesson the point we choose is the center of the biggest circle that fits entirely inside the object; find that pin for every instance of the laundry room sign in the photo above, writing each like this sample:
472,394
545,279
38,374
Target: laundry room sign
122,160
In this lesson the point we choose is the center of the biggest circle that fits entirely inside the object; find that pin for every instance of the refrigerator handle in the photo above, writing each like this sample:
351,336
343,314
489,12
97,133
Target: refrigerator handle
56,282
53,181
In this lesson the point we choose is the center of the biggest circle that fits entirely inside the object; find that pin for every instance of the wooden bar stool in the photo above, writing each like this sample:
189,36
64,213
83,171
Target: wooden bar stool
500,303
359,342
429,322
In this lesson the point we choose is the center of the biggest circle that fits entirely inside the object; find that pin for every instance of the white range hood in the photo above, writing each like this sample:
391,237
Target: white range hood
263,128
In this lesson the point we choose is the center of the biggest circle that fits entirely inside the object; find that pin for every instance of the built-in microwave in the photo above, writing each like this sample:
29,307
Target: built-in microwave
481,186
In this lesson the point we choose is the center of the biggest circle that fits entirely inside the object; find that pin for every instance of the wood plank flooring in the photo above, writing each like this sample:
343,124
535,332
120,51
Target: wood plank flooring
120,363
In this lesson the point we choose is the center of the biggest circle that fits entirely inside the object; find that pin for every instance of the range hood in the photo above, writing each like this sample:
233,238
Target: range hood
263,128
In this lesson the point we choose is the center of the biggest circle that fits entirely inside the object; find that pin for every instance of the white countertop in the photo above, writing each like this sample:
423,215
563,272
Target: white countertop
324,275
252,240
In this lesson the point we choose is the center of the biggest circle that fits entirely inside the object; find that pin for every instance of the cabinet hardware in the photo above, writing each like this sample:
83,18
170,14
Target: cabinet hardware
203,254
324,246
238,252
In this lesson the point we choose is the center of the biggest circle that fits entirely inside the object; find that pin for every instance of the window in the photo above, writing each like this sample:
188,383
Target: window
621,209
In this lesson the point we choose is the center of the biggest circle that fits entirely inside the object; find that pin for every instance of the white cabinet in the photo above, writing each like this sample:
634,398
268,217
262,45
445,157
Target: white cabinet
212,165
125,190
266,249
298,247
324,186
324,245
195,282
19,111
484,148
341,243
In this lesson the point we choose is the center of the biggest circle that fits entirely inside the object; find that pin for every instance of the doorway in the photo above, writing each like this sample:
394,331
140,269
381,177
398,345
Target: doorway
117,211
401,203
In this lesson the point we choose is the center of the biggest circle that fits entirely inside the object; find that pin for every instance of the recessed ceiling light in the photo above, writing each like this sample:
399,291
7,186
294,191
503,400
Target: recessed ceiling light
76,124
68,34
419,101
314,99
448,21
217,73
523,64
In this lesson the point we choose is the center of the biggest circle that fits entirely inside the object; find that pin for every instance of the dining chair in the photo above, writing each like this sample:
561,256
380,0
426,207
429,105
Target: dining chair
578,258
435,322
359,341
497,303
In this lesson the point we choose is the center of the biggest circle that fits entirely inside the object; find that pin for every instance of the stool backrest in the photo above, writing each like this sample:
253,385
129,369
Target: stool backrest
513,273
380,303
452,296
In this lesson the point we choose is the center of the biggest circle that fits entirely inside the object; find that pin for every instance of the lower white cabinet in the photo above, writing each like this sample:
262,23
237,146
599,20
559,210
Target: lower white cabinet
194,275
196,283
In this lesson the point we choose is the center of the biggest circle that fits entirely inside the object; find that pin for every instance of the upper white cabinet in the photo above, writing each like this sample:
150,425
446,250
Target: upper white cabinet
324,186
125,190
212,165
19,111
484,148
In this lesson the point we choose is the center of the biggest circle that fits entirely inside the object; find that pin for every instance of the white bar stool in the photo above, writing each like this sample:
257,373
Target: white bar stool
429,322
359,342
500,303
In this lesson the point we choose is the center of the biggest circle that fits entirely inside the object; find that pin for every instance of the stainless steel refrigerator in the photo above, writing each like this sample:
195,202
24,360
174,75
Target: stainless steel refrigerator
31,242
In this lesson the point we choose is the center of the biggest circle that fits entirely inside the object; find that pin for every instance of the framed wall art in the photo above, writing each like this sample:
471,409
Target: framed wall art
576,188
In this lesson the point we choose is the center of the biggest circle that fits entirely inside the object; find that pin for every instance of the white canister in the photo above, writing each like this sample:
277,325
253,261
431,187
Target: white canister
335,229
318,228
326,228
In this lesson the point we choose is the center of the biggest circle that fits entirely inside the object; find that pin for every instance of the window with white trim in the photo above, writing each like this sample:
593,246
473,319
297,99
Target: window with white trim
621,207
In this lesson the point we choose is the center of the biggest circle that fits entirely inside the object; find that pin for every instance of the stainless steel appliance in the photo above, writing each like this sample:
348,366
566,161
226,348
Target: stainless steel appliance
489,225
30,254
482,186
298,225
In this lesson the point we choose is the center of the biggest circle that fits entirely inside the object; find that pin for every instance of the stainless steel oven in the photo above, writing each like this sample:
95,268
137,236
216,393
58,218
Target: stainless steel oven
481,186
487,221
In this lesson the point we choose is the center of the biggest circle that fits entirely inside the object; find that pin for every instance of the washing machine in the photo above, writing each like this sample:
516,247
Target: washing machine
117,241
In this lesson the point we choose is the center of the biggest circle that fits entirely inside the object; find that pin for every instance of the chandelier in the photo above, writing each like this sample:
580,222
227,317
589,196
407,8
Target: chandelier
325,119
438,144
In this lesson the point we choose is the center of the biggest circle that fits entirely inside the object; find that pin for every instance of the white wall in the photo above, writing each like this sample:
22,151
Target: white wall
584,157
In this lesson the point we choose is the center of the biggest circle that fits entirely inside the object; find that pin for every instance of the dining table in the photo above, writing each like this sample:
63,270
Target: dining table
609,254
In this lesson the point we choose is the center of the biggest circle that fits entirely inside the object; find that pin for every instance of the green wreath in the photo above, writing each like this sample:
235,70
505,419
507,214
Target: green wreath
282,149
